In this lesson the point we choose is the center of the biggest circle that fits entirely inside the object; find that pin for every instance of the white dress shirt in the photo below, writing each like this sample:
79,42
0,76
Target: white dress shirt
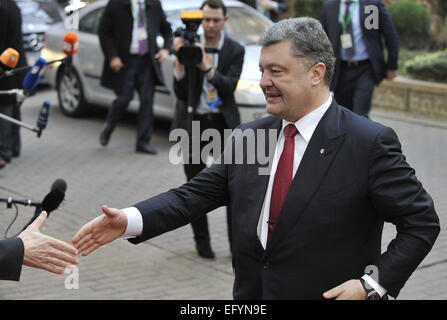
306,127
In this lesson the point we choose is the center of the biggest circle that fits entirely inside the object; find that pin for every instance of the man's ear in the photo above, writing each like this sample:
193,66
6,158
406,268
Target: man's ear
318,72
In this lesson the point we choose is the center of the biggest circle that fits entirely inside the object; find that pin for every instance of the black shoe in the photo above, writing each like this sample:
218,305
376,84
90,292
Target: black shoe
204,250
106,132
146,148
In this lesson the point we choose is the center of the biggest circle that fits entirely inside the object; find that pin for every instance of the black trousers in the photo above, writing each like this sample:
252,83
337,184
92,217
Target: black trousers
9,133
208,121
139,76
355,87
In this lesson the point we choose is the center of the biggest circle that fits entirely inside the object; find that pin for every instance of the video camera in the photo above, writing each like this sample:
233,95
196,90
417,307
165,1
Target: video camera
189,53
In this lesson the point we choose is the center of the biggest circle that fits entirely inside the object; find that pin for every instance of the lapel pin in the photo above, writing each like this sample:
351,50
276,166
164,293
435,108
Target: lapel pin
322,151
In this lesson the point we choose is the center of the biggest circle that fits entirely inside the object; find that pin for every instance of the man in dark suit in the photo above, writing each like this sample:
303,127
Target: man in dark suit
271,8
356,29
10,37
215,80
34,249
311,227
127,33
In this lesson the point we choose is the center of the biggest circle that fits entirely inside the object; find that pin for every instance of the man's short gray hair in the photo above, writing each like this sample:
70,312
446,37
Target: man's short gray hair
309,41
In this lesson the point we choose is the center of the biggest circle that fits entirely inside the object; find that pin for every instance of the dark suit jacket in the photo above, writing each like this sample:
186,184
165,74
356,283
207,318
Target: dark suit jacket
283,6
11,259
330,225
372,37
115,36
11,37
225,78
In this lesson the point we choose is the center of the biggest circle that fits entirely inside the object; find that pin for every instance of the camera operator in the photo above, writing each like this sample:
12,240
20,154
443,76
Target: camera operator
214,104
10,37
34,249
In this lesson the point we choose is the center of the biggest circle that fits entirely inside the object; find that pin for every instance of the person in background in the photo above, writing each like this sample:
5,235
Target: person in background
216,108
271,8
357,42
10,37
127,34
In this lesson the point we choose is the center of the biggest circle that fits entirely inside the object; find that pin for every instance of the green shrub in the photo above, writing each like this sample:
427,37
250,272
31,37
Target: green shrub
412,21
428,66
309,8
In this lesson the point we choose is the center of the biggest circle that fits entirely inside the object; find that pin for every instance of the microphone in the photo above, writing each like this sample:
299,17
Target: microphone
42,119
70,47
70,44
9,58
52,200
33,76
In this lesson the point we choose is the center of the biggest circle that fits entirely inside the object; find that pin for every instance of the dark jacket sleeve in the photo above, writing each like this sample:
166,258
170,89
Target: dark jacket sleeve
105,32
398,195
11,259
225,83
173,209
165,30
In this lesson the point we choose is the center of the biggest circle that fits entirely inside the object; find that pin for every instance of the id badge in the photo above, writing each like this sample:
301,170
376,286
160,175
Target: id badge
346,41
142,34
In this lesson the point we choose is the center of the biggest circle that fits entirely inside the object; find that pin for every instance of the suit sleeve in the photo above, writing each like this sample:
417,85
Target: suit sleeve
399,197
165,30
178,207
11,259
105,30
283,6
390,35
225,84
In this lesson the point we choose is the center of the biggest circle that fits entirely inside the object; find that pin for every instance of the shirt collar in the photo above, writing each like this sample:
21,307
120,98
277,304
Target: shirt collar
307,124
221,41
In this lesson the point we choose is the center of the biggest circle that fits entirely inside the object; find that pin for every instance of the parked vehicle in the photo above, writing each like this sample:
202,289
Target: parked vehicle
37,16
77,92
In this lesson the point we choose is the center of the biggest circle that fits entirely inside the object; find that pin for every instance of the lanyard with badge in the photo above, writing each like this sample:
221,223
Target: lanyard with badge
346,39
212,98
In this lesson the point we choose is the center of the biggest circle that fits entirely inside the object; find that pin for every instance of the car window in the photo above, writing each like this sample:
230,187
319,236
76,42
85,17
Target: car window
90,22
242,19
40,11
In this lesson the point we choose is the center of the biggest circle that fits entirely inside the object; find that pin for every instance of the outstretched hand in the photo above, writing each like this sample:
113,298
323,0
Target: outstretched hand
45,252
100,231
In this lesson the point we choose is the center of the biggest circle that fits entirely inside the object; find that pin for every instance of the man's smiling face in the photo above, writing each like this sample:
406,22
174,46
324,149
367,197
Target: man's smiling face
286,81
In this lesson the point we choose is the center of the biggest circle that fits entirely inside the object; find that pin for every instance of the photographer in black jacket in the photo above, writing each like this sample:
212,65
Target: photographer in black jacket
214,102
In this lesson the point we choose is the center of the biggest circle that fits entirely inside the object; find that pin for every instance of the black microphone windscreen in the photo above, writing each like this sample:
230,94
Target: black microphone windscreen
59,184
54,198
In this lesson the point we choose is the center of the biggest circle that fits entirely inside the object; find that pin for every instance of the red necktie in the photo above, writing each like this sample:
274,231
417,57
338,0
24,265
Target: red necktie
283,176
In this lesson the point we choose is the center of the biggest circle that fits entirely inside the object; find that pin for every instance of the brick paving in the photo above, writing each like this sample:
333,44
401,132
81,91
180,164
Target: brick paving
166,267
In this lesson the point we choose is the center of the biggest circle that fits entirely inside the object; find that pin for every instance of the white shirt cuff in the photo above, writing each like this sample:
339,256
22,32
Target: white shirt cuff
373,284
134,223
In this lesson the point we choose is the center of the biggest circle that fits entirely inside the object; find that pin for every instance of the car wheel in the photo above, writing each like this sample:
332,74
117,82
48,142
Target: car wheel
70,94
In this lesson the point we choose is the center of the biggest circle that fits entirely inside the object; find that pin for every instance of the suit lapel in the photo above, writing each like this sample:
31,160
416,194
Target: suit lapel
320,152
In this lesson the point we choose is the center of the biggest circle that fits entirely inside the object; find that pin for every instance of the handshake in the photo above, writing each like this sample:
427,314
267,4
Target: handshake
53,255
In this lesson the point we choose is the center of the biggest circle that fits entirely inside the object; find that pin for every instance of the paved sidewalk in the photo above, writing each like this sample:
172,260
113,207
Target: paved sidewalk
168,266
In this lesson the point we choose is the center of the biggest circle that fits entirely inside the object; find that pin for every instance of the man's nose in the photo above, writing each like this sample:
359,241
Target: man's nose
265,81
